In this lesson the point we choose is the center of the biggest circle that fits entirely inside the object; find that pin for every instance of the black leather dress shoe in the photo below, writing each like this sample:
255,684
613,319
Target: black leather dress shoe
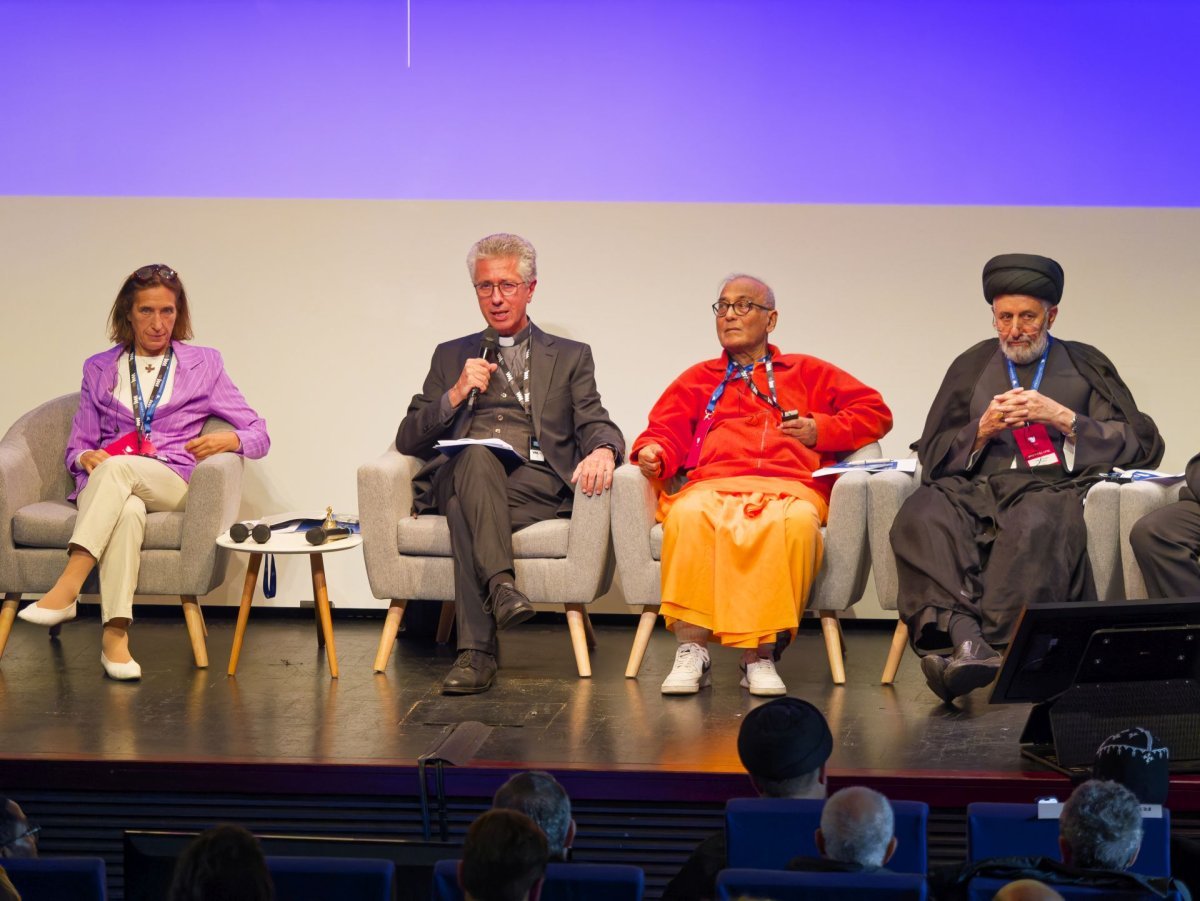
509,606
934,668
473,672
967,670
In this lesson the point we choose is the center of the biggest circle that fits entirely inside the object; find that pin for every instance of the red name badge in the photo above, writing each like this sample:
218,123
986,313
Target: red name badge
130,444
693,457
1036,447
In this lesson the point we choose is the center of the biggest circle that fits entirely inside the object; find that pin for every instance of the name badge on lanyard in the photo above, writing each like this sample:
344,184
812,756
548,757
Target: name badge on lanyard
733,370
1033,440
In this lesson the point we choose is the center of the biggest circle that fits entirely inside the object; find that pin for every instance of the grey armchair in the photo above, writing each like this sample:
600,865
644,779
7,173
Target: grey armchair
886,491
408,557
840,582
1138,499
179,553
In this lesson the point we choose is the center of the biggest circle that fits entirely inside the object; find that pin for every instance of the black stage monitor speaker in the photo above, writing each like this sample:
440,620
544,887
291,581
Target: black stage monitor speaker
1095,669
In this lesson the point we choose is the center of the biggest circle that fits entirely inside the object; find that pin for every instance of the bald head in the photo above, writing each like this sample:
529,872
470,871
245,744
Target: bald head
1027,890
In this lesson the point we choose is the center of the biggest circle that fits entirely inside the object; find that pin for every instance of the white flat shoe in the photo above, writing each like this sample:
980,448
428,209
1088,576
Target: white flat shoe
44,616
762,680
122,672
691,672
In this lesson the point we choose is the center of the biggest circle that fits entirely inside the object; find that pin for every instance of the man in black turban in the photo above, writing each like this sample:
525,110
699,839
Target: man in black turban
783,745
1019,429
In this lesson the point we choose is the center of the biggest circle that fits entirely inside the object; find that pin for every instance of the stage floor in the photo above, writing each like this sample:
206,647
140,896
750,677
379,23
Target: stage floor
283,709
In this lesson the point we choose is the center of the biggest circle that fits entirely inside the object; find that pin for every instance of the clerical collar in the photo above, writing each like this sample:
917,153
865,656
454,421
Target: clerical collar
519,338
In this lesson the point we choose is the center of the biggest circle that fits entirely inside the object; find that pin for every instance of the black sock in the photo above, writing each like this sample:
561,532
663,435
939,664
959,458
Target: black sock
966,628
499,579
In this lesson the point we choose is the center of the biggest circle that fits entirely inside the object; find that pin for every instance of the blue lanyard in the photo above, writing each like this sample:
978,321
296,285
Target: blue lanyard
143,415
733,370
1041,370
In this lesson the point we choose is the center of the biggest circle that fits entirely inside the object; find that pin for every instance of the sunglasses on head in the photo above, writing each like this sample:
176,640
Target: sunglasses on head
155,271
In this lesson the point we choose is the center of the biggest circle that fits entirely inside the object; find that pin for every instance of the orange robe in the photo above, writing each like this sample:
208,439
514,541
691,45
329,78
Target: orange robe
741,540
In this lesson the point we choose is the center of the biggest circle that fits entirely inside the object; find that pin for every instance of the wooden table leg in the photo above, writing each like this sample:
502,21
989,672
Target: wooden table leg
244,610
321,597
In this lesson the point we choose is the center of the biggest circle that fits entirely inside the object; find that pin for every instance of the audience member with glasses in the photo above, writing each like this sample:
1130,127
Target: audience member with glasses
18,836
134,443
742,539
533,390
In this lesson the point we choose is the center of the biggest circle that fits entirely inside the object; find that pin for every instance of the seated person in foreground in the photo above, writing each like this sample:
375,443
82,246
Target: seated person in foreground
504,858
1018,431
18,836
742,540
540,797
783,745
224,863
134,444
857,834
1166,542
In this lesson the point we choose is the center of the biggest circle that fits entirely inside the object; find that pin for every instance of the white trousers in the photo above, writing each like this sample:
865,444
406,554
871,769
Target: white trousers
112,522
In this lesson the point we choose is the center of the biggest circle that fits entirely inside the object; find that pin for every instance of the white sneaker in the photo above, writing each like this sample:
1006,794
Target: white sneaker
762,680
691,672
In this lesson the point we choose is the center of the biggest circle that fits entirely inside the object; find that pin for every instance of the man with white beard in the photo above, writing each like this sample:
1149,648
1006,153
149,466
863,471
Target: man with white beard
1019,429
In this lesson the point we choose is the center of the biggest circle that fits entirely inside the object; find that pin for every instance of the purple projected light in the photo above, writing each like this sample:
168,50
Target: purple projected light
872,101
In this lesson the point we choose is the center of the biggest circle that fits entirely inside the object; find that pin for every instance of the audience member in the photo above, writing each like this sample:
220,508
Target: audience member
540,797
857,834
1139,761
18,836
504,858
224,863
783,745
1027,890
1100,827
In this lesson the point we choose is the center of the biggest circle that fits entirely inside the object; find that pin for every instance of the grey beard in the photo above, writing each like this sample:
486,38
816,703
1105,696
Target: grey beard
1027,353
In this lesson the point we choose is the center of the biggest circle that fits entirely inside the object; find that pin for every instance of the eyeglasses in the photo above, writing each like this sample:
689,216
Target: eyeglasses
741,307
31,832
506,289
155,271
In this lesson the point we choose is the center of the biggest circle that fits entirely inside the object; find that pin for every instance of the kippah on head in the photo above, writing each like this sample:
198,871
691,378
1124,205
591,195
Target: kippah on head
783,739
1023,273
1137,760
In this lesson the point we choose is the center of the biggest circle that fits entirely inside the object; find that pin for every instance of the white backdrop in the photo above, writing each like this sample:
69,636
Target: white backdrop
327,311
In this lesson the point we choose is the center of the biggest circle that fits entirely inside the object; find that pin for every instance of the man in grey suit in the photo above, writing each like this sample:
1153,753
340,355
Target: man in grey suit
538,393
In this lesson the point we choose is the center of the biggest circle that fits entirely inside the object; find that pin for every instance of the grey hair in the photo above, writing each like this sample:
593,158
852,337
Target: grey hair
734,276
857,824
503,244
540,797
1102,824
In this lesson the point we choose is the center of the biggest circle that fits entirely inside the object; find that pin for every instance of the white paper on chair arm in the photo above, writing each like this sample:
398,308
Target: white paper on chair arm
907,464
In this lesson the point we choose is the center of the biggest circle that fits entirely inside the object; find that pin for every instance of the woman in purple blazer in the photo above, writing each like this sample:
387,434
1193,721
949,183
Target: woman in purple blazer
134,443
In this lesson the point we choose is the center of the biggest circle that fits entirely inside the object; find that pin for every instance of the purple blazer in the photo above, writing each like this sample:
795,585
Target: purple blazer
201,388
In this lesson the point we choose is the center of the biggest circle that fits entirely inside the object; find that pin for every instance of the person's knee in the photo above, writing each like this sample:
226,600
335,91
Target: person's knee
1146,536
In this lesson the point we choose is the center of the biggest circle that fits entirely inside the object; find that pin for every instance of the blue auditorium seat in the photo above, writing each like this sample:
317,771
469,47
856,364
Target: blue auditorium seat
781,885
1014,830
765,833
564,882
321,878
984,889
56,878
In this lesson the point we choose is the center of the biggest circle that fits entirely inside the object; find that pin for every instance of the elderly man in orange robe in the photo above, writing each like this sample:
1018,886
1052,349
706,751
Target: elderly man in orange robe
742,540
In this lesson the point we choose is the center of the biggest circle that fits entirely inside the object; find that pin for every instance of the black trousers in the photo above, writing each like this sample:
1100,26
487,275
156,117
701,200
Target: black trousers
1033,550
1165,543
483,506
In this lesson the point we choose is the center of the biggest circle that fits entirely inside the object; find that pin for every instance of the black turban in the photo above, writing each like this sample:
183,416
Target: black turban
1023,273
783,739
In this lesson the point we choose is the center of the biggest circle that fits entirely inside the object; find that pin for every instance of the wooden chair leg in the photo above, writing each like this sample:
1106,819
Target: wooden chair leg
391,625
445,622
575,617
8,614
899,642
195,626
641,640
589,631
833,645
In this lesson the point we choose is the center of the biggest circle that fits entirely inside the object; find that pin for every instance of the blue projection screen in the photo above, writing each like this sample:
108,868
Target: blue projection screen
1025,102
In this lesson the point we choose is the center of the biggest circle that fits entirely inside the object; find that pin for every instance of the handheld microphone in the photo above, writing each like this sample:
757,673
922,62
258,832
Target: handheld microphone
489,342
321,534
240,531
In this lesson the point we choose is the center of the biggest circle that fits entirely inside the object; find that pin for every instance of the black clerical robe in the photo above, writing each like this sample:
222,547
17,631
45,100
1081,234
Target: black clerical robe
984,537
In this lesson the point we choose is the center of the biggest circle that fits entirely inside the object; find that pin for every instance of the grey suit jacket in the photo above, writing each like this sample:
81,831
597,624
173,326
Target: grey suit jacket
568,418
